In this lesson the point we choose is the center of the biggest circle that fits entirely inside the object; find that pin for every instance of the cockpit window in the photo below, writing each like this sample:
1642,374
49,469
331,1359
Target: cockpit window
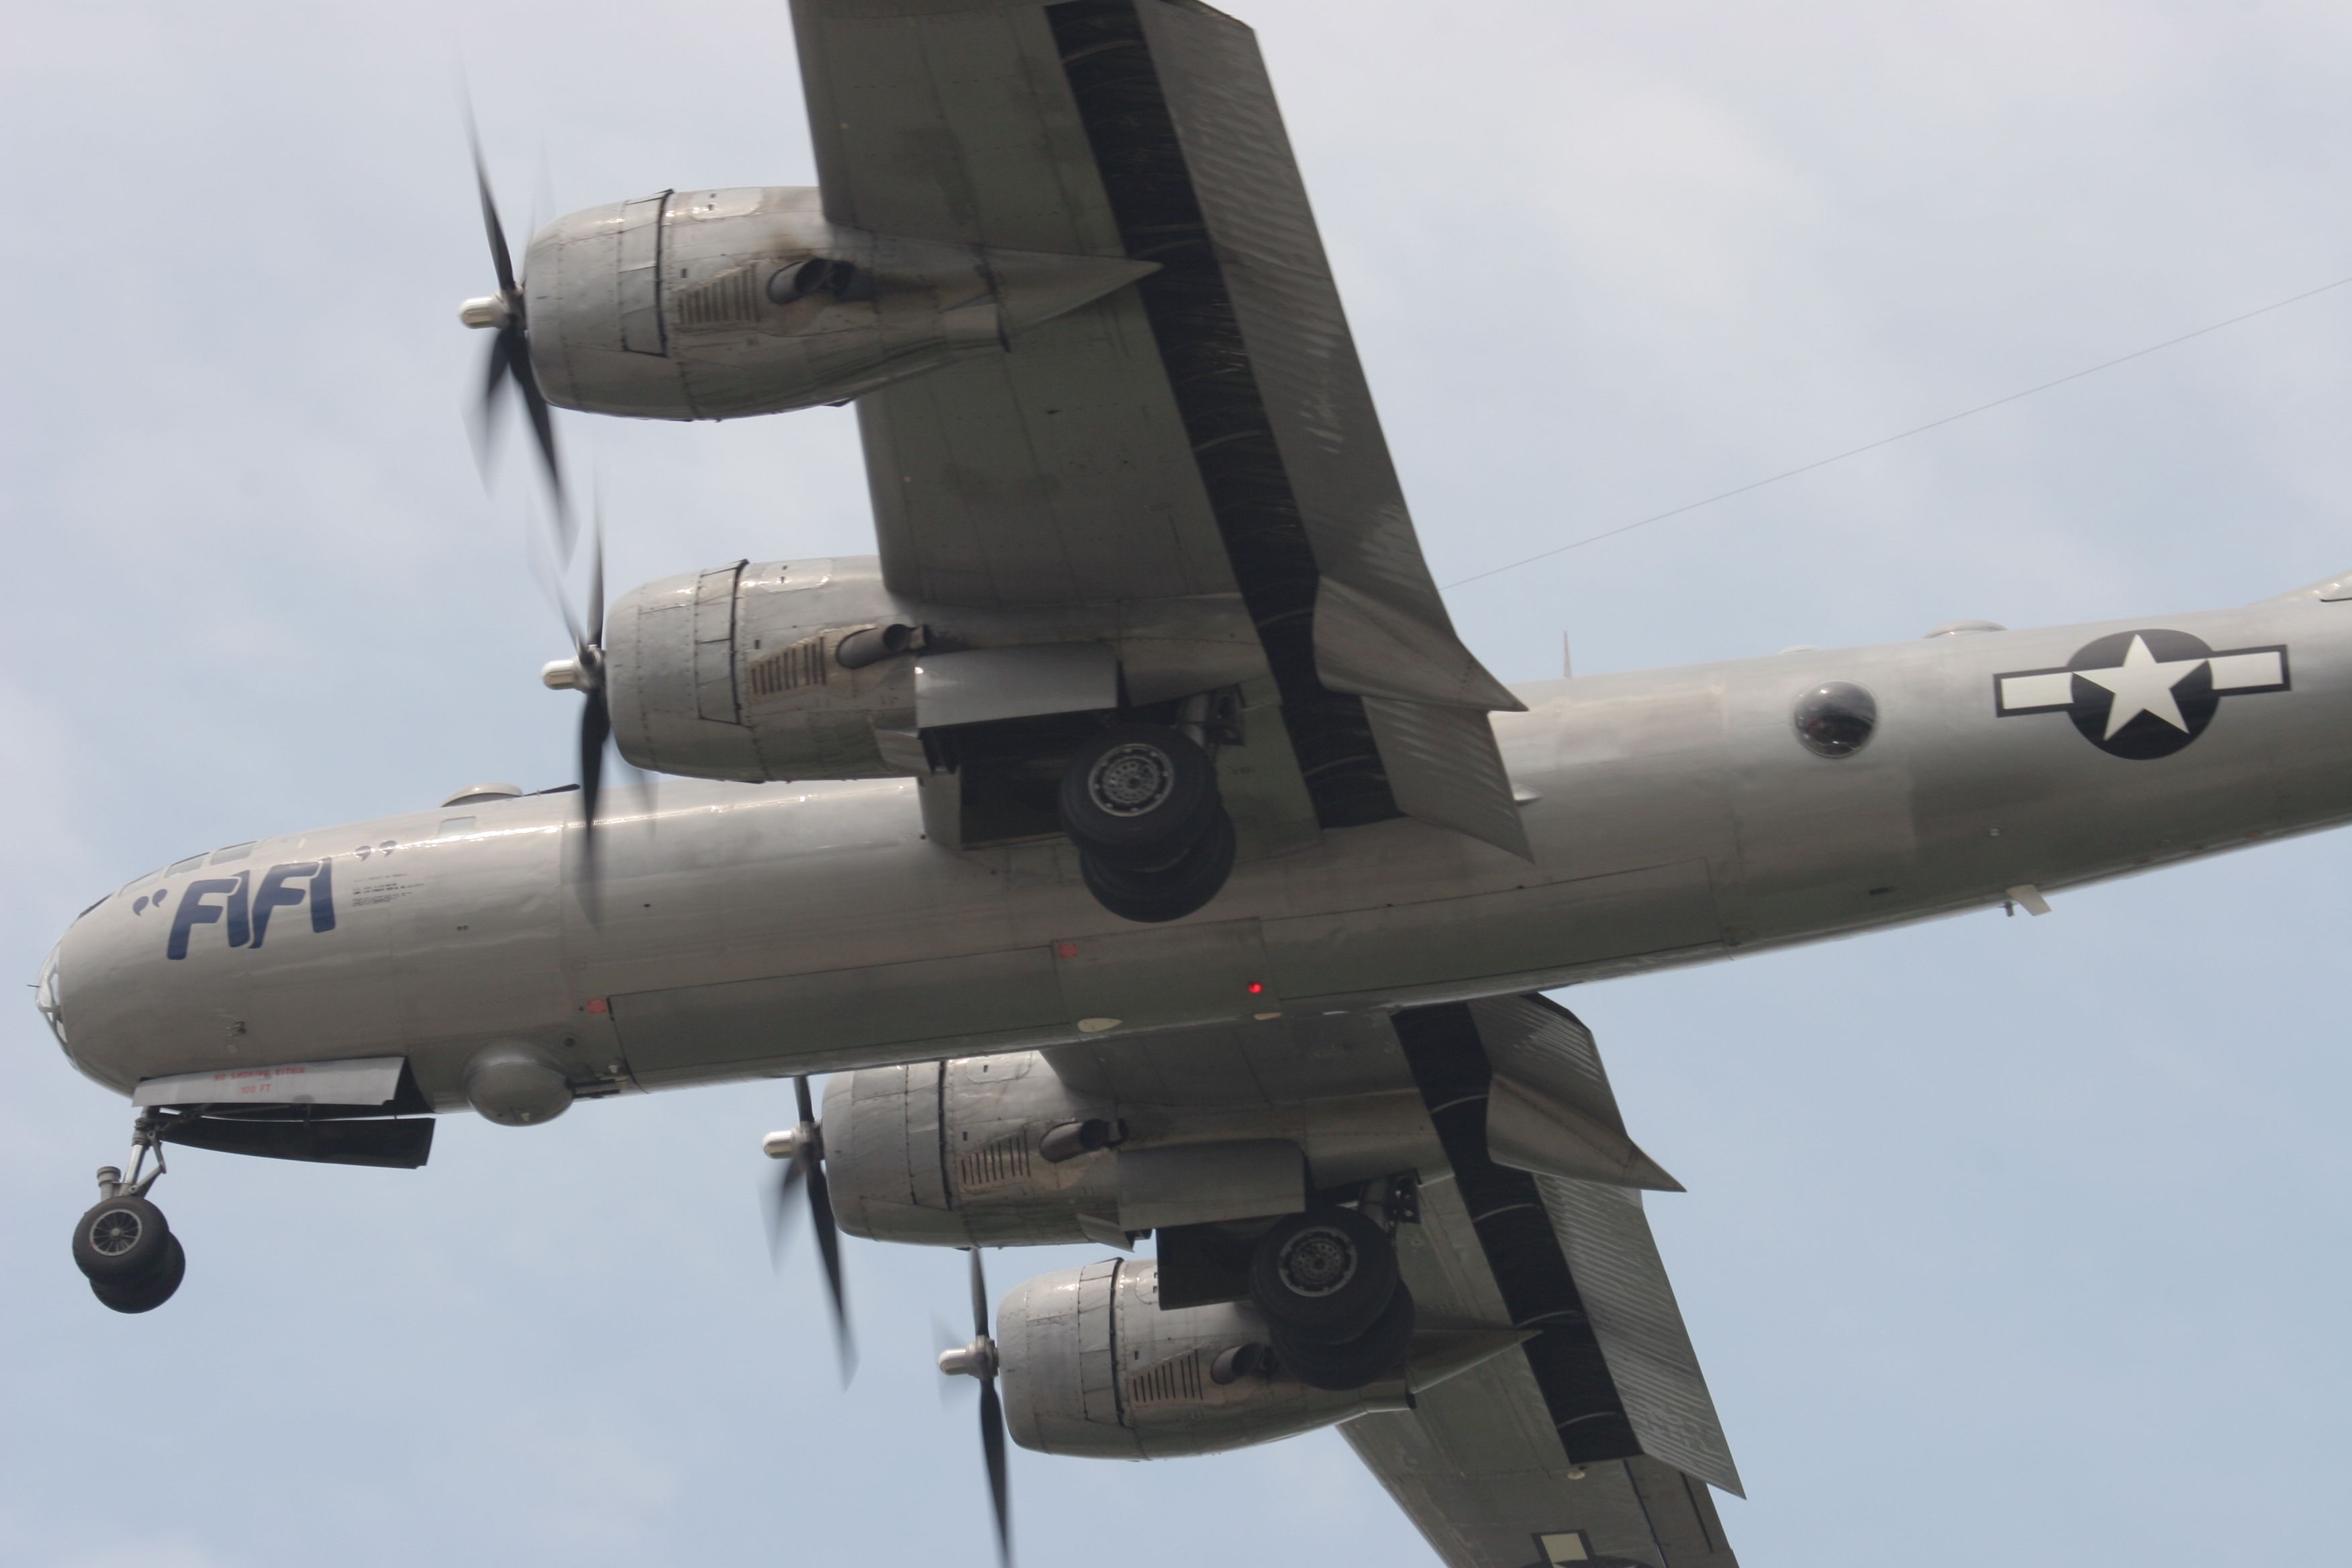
190,864
1836,718
141,881
233,852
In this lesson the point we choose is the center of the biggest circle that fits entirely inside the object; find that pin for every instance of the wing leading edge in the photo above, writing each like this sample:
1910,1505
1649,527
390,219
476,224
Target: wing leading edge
1209,430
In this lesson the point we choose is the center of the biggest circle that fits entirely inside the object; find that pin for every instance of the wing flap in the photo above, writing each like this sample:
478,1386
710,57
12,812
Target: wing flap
1605,1236
1482,1501
1477,1465
1444,767
1316,399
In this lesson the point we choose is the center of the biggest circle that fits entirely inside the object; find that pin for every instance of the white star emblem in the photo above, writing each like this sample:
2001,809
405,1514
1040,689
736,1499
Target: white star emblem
2143,684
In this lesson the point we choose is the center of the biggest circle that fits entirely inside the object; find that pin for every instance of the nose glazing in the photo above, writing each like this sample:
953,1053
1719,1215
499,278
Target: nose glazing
49,996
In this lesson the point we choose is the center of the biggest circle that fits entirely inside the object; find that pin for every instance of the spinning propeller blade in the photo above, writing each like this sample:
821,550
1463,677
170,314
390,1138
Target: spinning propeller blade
803,1150
596,718
992,1416
503,314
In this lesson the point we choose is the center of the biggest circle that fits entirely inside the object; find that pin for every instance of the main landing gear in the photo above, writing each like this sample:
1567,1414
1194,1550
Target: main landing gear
124,1246
1140,802
1327,1281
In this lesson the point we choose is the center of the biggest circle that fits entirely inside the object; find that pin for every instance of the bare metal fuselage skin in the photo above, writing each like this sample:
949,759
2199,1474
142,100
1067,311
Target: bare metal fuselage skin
759,930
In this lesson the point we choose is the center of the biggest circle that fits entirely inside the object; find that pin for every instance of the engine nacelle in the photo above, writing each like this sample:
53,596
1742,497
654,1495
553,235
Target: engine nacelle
1092,1365
738,672
1000,1151
713,304
815,669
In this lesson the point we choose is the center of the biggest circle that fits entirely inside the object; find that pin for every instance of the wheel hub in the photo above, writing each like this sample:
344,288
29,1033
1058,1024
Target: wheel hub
1132,780
1317,1262
114,1233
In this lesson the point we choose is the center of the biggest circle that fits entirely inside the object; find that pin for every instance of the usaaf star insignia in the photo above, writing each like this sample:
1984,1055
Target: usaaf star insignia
2142,695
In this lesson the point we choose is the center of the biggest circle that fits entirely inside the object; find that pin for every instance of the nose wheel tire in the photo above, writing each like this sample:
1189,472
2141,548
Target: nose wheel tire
146,1292
1137,796
122,1239
1378,1353
1168,892
1326,1275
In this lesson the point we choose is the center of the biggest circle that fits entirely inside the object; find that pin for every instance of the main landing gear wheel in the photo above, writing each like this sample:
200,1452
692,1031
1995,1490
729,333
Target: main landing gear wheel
1376,1353
1137,796
1167,892
1324,1275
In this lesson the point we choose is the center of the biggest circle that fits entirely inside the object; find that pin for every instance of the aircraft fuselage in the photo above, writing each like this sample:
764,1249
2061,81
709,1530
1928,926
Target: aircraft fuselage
761,929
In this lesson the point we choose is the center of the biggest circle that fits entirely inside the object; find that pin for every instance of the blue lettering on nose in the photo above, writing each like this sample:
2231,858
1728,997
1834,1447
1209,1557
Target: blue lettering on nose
274,893
196,910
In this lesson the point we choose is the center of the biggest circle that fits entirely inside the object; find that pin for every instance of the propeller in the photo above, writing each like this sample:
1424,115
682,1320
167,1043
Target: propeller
584,672
503,315
803,1150
979,1360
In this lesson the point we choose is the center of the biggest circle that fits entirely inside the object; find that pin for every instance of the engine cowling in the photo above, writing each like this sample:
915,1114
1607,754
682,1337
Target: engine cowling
815,669
1093,1366
711,304
1000,1151
736,672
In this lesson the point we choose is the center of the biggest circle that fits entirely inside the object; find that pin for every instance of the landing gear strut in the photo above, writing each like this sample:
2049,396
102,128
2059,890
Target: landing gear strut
1326,1280
124,1246
1140,802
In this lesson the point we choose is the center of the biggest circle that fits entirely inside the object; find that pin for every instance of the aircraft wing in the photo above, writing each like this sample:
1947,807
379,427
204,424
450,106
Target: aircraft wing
1206,432
1597,1440
1479,1467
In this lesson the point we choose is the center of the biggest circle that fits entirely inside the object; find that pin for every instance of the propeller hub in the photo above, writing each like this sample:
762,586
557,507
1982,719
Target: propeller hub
795,1142
491,310
977,1359
581,672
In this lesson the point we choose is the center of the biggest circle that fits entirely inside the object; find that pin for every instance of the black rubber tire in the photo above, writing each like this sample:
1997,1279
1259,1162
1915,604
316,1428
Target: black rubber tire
1376,1353
122,1239
149,1291
1138,797
1327,1274
1171,892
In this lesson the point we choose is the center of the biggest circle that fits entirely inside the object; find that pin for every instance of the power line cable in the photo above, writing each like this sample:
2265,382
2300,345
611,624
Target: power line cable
1890,440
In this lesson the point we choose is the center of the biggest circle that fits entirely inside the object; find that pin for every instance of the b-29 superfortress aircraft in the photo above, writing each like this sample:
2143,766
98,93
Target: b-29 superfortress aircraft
1133,838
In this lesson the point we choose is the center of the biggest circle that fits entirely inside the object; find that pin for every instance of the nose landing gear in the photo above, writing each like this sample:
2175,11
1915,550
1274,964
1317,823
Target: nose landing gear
124,1246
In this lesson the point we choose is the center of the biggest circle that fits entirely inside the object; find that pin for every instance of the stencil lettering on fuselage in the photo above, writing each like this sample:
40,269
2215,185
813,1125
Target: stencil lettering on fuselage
2142,695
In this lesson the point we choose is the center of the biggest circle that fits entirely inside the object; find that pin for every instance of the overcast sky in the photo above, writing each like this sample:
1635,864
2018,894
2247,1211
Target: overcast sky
2008,1240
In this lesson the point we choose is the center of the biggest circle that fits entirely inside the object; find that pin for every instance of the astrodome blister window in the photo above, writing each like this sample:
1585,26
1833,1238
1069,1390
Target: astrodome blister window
1836,718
